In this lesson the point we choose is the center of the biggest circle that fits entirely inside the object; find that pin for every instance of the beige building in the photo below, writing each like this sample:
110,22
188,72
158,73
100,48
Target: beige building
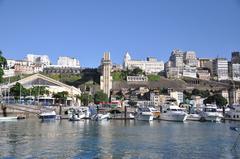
106,78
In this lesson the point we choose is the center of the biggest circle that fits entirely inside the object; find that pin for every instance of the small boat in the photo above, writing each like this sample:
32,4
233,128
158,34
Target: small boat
210,113
144,114
10,118
233,113
131,116
75,114
100,117
173,113
49,115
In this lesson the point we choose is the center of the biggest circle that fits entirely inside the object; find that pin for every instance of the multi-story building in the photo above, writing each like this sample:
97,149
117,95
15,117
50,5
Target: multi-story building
64,61
203,74
11,63
150,66
190,71
177,59
235,57
206,63
38,59
178,96
220,68
190,59
173,72
235,71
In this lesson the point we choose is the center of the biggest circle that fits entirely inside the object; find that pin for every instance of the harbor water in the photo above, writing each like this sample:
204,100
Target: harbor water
32,138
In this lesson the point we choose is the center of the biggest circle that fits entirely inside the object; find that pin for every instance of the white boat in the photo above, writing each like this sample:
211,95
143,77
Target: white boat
131,116
209,112
194,117
100,117
173,113
155,112
144,114
10,118
48,115
75,114
233,113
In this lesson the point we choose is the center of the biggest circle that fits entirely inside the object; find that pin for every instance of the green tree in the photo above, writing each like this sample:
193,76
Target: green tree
100,97
218,99
86,99
3,64
61,97
136,72
38,90
18,90
153,77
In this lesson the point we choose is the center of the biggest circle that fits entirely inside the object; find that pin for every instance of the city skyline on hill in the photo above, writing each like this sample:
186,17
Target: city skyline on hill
87,29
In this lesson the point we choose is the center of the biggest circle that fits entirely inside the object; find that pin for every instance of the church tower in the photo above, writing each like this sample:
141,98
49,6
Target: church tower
106,78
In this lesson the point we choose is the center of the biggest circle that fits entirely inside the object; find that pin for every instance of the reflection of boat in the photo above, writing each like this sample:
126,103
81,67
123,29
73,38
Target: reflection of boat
100,117
210,113
144,114
233,113
48,115
10,118
173,113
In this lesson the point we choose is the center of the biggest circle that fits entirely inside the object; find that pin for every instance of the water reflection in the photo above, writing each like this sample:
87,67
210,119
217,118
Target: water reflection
116,139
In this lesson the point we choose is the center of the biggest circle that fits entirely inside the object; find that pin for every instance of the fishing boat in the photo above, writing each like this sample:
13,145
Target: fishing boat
144,114
48,115
173,113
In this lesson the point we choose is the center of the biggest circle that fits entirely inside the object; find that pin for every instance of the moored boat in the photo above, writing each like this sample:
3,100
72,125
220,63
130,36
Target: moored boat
210,113
233,113
49,115
144,114
173,113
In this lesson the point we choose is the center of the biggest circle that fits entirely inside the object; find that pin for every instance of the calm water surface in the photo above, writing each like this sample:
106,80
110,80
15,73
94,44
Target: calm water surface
116,139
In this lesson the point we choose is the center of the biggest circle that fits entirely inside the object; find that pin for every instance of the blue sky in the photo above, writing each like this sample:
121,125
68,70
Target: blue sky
85,29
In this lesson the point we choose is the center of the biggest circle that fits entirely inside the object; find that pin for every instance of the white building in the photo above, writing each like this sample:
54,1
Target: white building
190,59
11,63
150,66
178,96
236,72
220,68
189,71
68,62
38,59
137,78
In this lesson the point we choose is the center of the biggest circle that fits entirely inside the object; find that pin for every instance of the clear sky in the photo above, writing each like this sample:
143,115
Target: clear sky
86,28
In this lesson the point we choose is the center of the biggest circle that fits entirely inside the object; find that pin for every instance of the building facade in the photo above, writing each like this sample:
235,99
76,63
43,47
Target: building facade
150,66
220,68
65,61
38,59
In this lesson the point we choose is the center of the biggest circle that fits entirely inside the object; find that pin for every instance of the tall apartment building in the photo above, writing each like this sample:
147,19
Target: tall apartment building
177,59
220,68
38,59
206,63
65,61
235,71
150,66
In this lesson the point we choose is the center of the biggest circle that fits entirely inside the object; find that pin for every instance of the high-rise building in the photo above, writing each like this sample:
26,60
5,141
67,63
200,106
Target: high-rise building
65,61
38,59
190,59
220,68
235,57
150,66
106,78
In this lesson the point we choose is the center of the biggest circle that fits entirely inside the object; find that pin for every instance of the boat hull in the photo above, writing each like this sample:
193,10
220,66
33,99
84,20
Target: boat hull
173,117
8,118
47,117
145,117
